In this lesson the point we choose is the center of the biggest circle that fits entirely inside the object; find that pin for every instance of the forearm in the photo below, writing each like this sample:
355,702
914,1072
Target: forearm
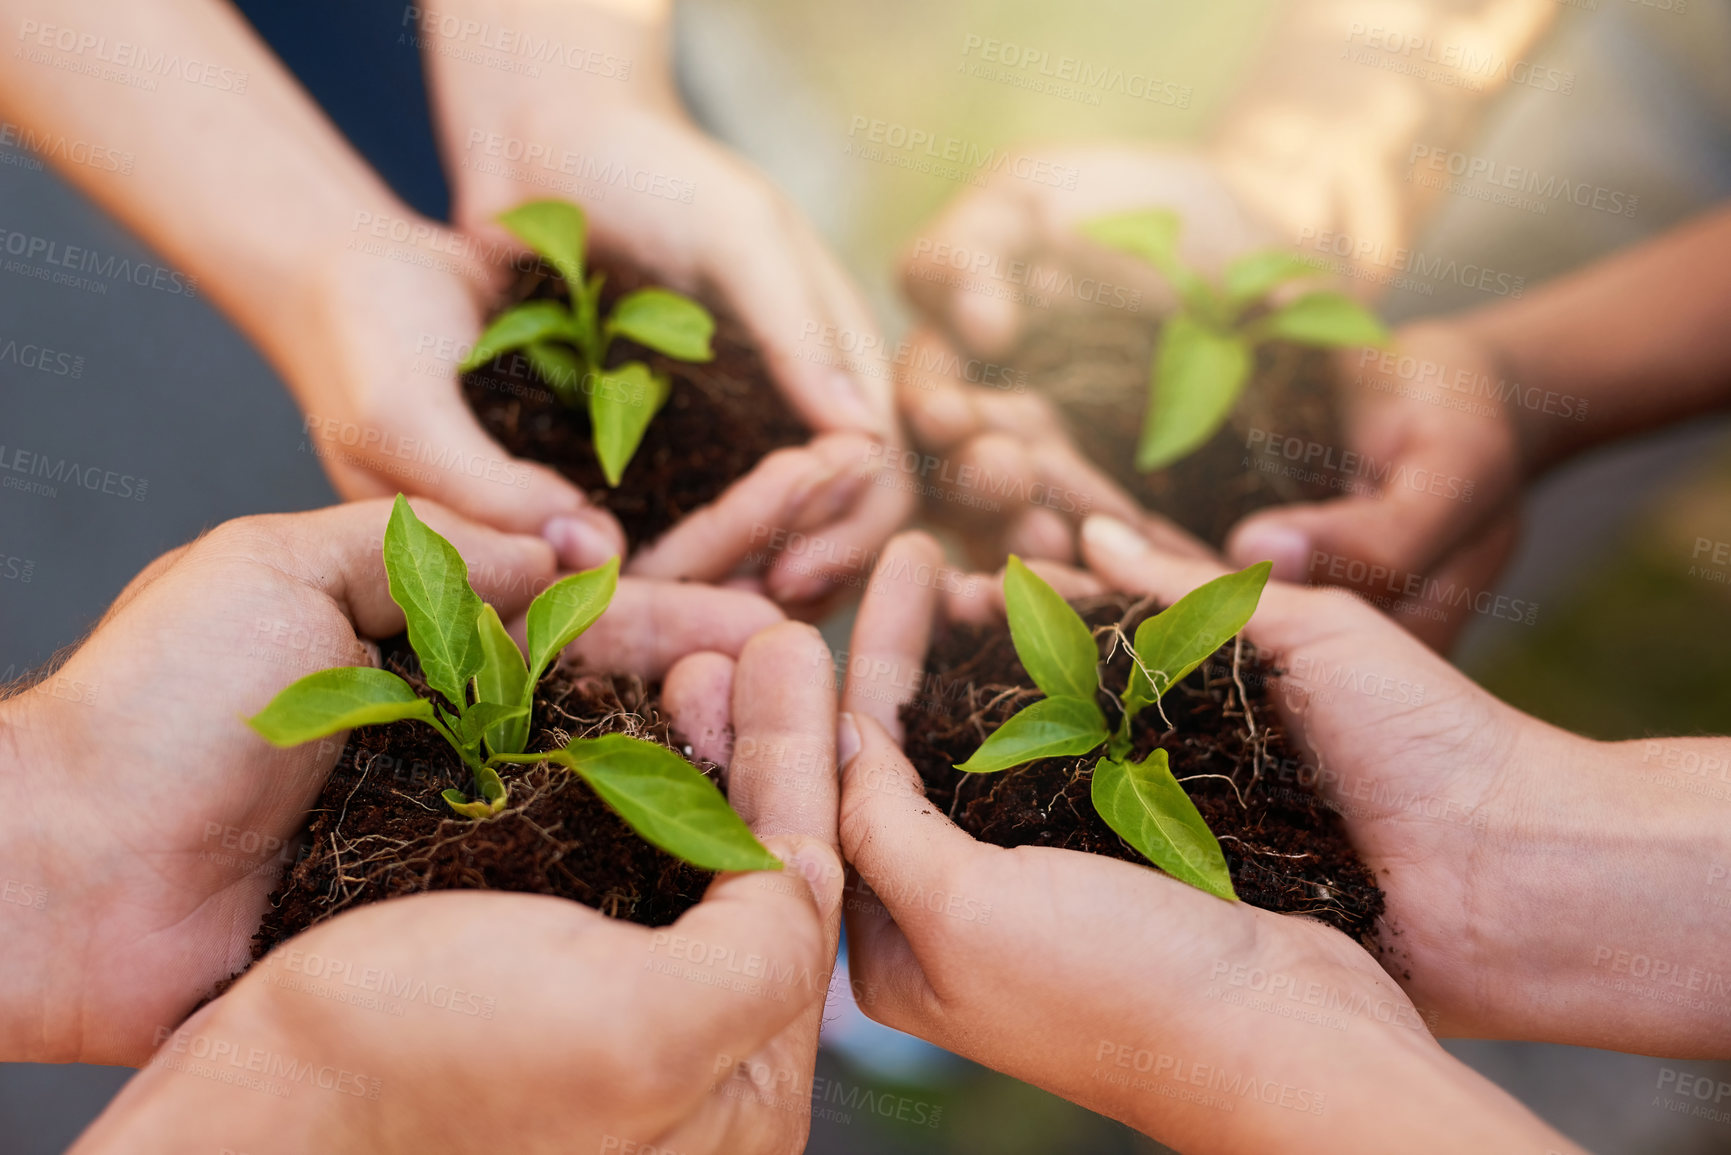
1322,138
1606,921
237,178
1642,339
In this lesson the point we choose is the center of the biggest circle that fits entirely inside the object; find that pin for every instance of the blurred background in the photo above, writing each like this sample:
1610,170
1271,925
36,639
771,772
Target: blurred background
1633,632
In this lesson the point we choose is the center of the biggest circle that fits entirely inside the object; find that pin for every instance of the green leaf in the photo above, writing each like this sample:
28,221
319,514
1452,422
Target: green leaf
562,368
332,700
1198,375
492,800
1049,728
620,408
478,719
1180,637
665,321
430,582
1254,275
1324,318
666,800
1148,808
502,679
563,611
514,328
1052,640
556,230
1151,234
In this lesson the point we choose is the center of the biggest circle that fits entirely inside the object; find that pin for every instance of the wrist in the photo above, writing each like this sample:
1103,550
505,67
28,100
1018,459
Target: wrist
237,1076
39,904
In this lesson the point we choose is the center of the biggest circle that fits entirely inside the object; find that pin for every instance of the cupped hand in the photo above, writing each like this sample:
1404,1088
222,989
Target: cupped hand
1429,430
377,380
1109,983
1005,263
701,220
573,1031
156,819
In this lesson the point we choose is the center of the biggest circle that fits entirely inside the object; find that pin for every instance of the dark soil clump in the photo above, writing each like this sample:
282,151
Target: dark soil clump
379,828
1287,851
1095,367
721,419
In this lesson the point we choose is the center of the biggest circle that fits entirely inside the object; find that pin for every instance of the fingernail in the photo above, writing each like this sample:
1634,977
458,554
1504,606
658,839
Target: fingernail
1109,535
1286,547
579,542
846,740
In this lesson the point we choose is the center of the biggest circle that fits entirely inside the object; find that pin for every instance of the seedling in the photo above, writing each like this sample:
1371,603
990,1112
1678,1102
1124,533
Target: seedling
568,344
1208,347
487,691
1141,801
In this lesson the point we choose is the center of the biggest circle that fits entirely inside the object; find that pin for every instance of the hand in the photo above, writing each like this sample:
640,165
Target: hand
376,375
1101,981
1443,455
982,275
1524,868
127,799
580,1032
704,221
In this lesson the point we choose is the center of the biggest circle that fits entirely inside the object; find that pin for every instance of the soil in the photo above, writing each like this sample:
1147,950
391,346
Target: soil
1094,367
379,828
1287,851
721,418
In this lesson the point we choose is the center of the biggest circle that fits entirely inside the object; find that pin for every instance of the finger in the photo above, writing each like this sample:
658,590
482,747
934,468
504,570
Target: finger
851,314
782,924
893,630
947,271
785,489
807,577
1423,511
337,551
764,272
782,776
1436,614
1041,533
698,696
472,474
982,602
938,407
1285,616
651,624
902,846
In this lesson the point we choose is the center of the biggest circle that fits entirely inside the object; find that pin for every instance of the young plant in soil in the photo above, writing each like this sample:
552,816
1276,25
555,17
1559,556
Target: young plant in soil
1208,348
484,695
568,343
1140,800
